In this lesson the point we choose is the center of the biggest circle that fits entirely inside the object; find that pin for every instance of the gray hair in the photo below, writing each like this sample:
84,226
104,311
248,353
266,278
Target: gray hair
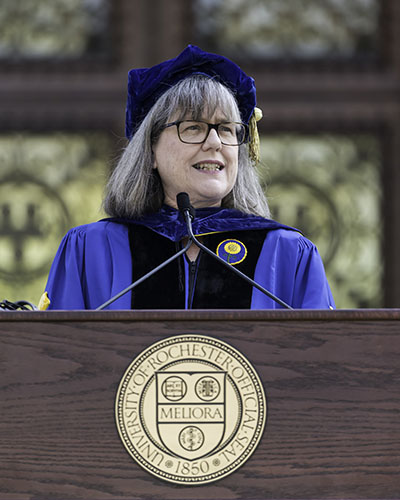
135,188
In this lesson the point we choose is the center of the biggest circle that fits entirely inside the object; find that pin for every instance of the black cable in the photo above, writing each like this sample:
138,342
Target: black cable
23,305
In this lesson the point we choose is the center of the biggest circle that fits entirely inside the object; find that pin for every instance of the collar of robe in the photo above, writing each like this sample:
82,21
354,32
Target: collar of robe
169,222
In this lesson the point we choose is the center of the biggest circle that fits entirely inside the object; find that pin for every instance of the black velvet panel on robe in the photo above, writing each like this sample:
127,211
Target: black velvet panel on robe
216,287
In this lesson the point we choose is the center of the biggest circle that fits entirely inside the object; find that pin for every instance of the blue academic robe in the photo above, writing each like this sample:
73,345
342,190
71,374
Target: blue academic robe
94,261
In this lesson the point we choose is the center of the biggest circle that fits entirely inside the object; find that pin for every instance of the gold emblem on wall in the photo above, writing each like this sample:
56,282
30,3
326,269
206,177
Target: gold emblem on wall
190,409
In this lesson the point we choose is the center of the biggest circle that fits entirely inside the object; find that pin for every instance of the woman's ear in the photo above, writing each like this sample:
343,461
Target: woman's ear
153,157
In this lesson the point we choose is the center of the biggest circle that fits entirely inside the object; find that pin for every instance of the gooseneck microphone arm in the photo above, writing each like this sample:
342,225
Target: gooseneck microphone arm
188,213
143,278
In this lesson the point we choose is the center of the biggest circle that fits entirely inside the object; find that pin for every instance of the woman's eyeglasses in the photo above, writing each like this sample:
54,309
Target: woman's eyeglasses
196,132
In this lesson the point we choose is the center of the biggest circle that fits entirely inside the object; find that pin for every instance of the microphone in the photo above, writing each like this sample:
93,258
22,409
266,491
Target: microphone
183,202
188,213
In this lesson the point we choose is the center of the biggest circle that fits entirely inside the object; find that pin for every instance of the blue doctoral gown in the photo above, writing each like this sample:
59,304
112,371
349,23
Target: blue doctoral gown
94,261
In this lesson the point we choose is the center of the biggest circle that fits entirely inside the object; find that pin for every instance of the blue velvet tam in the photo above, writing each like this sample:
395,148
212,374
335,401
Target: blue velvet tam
146,85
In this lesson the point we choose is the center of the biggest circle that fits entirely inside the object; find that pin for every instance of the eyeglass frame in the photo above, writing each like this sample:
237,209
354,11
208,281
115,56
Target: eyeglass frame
210,126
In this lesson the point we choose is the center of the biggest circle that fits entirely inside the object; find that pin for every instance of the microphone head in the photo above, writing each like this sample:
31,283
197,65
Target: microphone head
183,202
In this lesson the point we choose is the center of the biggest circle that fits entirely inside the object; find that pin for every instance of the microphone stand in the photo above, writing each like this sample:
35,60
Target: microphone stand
186,211
143,278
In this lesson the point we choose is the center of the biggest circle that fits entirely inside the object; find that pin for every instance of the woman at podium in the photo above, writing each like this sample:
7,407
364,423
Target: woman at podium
191,125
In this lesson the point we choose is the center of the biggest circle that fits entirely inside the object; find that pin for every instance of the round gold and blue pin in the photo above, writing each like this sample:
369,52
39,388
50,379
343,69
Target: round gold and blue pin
232,251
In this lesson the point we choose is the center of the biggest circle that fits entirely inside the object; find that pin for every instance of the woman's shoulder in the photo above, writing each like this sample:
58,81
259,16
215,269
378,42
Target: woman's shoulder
292,236
96,238
290,243
98,228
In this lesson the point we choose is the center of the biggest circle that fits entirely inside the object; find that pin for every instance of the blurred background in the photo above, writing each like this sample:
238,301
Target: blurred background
328,81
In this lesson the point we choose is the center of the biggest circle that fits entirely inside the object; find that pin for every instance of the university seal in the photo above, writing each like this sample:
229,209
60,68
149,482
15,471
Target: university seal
190,409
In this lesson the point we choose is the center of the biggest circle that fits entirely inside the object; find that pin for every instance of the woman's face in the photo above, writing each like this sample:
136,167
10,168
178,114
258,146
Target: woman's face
207,172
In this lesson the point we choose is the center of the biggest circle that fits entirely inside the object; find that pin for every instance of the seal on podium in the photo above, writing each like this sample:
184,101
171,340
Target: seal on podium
190,409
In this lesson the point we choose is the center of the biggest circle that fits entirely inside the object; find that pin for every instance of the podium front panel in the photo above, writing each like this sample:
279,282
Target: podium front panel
331,379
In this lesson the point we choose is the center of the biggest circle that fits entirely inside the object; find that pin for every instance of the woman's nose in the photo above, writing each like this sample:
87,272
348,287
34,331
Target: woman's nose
212,140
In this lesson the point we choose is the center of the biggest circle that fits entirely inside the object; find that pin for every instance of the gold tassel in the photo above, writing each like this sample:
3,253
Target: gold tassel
254,144
44,302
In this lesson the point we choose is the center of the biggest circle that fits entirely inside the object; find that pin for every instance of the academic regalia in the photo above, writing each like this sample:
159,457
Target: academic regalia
96,261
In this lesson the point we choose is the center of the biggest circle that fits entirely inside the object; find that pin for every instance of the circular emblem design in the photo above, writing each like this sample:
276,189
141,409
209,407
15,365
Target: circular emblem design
174,388
190,409
191,438
33,219
208,388
232,251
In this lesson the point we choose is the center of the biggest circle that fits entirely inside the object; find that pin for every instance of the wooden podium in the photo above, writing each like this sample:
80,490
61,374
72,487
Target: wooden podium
332,381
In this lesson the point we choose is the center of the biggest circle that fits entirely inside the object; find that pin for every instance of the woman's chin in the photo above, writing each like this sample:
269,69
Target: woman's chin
207,203
208,197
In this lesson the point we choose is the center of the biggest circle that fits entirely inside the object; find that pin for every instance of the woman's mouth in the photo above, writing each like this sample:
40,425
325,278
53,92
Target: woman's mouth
210,167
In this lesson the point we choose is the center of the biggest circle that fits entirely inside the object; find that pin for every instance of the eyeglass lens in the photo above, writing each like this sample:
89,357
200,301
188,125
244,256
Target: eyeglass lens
230,133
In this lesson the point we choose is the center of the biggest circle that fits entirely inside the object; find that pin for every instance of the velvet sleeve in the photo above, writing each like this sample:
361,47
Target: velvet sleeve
291,268
92,264
311,288
66,281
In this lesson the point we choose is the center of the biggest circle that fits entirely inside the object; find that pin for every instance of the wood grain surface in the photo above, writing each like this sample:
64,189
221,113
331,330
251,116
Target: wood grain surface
332,380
